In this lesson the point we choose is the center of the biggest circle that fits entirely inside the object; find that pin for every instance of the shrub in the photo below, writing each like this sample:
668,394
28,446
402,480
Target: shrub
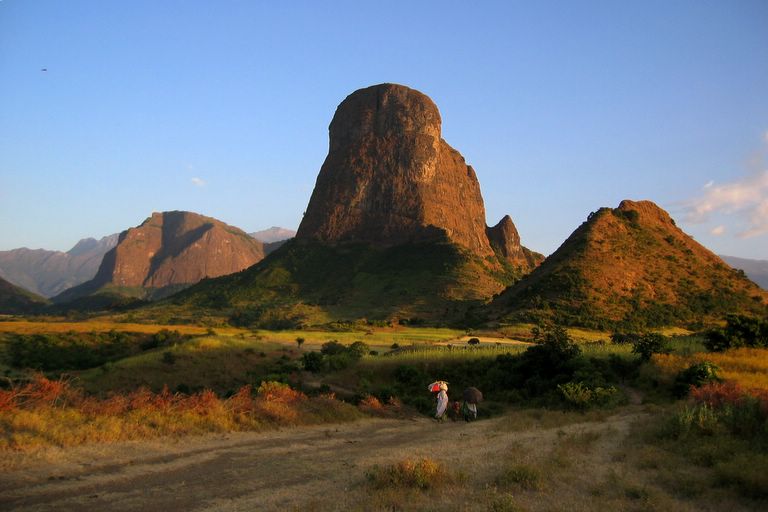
473,342
582,396
694,376
423,473
651,343
168,358
524,476
331,348
740,331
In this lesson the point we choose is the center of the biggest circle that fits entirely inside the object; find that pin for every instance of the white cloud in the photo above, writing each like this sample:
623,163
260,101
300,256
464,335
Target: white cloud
709,184
765,136
719,230
746,197
198,182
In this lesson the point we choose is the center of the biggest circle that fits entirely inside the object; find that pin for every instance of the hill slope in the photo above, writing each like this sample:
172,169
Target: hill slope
630,266
168,252
49,273
15,300
309,283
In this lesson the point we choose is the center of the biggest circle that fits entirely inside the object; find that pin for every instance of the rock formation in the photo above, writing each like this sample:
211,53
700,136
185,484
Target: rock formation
505,239
171,249
389,178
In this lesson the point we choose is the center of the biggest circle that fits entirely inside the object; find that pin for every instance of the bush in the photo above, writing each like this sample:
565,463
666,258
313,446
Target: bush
582,396
694,376
314,362
422,473
526,477
740,331
651,343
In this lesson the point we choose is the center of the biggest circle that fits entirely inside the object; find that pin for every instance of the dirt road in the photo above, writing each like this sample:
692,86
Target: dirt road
306,468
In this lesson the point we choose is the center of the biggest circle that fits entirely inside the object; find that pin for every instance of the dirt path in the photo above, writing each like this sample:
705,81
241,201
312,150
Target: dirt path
307,468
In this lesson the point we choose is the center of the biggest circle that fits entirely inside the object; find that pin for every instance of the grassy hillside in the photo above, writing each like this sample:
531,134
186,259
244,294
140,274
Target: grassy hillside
305,284
630,267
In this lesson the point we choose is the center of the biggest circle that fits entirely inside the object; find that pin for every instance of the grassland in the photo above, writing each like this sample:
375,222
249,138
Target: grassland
210,383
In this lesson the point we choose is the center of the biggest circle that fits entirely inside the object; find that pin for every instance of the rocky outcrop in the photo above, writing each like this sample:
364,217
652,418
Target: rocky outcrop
389,178
505,240
49,273
172,249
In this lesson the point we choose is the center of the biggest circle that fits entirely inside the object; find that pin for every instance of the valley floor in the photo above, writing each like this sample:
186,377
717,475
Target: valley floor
567,461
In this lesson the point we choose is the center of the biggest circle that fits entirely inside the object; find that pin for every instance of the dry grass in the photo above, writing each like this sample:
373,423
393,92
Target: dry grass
747,367
45,327
52,413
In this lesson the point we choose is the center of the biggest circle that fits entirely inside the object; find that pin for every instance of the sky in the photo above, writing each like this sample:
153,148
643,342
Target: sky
113,109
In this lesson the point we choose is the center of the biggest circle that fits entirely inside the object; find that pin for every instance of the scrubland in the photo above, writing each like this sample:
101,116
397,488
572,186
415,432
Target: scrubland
603,430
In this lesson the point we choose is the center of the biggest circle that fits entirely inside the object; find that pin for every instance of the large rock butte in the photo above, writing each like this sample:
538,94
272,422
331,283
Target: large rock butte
389,178
172,249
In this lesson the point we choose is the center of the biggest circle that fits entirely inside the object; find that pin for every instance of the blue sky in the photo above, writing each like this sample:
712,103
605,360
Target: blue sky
223,107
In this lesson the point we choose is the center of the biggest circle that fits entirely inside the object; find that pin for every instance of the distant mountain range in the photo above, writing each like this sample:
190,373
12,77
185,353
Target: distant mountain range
273,234
49,273
756,270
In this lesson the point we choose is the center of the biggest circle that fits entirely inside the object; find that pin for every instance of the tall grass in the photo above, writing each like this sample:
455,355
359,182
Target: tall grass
747,367
448,354
47,412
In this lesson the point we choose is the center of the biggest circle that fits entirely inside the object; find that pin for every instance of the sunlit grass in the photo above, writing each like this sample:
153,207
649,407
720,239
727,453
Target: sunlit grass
40,327
375,337
748,367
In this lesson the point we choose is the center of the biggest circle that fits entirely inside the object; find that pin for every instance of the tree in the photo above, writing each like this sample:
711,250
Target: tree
299,342
648,344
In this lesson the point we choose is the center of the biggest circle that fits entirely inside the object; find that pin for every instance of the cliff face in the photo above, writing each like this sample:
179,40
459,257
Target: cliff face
172,249
389,178
505,239
631,265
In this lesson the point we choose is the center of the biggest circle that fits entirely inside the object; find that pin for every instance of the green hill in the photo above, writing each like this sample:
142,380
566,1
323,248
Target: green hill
630,266
308,283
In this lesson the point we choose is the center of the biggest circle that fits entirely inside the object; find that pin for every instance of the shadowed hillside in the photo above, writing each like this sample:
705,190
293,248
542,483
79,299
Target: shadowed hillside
305,283
15,300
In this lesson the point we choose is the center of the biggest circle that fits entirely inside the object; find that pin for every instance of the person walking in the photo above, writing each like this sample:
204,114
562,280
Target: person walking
442,401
